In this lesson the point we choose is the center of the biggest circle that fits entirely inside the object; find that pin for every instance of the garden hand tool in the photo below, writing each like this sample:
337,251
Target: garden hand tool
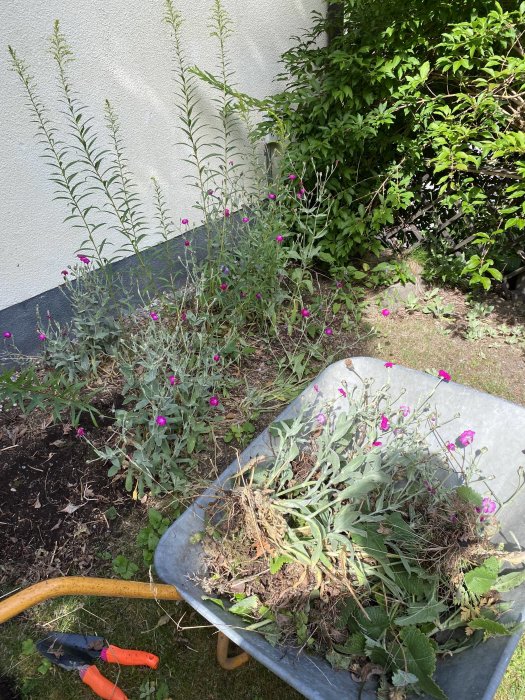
75,652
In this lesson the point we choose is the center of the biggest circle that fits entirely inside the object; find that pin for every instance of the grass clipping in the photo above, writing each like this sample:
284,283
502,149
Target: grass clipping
354,540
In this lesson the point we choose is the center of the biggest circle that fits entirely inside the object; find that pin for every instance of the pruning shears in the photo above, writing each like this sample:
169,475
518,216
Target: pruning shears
76,652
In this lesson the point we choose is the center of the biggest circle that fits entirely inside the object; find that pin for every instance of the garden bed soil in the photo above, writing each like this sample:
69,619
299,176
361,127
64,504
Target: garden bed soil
52,502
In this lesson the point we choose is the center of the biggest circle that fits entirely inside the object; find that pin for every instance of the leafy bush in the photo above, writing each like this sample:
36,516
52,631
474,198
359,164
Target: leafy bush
420,106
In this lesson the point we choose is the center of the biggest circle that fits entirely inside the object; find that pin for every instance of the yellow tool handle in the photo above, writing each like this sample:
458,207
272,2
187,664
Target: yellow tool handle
82,585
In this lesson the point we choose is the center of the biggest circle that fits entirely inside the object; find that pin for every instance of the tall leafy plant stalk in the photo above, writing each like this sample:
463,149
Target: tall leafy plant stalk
67,178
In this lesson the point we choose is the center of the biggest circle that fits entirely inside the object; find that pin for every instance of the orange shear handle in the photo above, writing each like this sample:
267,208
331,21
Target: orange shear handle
103,687
130,657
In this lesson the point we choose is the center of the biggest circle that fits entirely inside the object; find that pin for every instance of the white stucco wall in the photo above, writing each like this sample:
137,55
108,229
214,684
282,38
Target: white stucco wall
122,51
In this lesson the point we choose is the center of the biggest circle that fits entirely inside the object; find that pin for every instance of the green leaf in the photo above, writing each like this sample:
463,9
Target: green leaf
468,495
419,613
424,70
491,627
509,581
355,644
345,518
217,601
482,579
375,623
245,607
417,656
277,563
402,678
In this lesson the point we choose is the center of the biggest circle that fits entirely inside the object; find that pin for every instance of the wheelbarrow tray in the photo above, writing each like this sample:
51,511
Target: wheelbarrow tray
499,426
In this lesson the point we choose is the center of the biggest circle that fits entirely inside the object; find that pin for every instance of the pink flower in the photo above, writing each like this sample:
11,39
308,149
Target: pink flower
42,336
186,243
7,334
489,506
377,443
226,213
216,357
279,238
385,312
245,219
466,437
230,162
214,401
210,192
160,420
84,259
302,191
389,364
184,222
183,316
299,195
316,388
271,196
405,410
445,376
342,392
292,176
64,273
321,418
258,296
385,423
224,286
305,313
328,331
172,379
339,284
80,432
451,447
154,316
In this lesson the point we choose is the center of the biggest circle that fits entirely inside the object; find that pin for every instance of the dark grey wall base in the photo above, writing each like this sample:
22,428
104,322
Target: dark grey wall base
21,319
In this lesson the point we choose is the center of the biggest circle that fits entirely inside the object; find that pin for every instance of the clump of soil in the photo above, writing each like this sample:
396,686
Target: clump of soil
53,502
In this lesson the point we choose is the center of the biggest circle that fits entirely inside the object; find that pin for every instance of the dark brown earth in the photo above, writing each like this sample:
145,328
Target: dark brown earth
52,503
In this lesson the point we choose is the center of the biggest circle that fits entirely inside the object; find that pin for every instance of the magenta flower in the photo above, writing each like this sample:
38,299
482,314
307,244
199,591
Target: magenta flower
302,191
172,379
339,284
316,388
184,222
160,420
216,357
299,195
489,506
305,313
405,410
214,401
389,364
279,238
84,259
329,331
466,437
210,192
245,219
186,243
42,336
271,196
292,176
7,334
154,316
445,376
342,392
80,432
321,418
230,162
258,296
64,273
183,316
377,443
224,286
226,213
385,423
451,447
385,312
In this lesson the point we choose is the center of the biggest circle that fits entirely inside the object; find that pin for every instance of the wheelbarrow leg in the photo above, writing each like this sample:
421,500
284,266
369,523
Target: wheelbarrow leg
226,662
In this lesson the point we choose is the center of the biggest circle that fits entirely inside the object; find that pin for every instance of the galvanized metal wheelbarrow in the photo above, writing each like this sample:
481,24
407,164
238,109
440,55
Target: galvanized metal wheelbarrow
474,674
